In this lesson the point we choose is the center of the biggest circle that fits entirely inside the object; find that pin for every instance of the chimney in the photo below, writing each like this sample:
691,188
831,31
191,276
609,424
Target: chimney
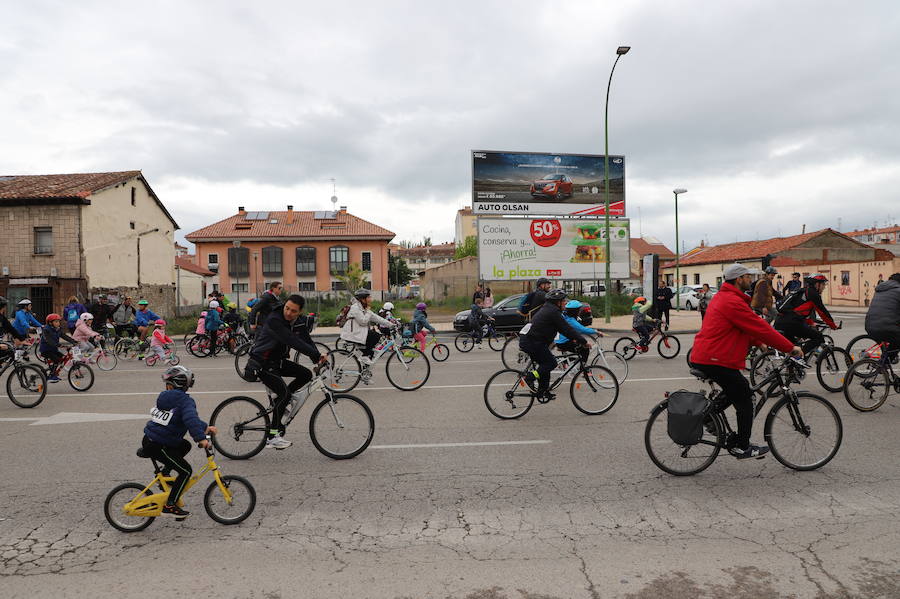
241,211
343,210
804,230
290,216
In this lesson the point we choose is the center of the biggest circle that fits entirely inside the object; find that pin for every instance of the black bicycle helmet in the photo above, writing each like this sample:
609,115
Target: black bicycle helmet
555,295
770,270
541,281
361,293
179,377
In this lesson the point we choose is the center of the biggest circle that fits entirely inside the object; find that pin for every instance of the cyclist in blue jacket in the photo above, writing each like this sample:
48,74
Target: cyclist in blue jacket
24,318
213,323
570,315
144,317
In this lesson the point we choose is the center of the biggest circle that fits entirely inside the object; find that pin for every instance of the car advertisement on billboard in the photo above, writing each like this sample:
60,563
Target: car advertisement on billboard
518,249
546,184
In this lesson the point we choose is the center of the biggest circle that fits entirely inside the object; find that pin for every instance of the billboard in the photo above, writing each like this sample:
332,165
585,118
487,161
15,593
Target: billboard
546,184
519,249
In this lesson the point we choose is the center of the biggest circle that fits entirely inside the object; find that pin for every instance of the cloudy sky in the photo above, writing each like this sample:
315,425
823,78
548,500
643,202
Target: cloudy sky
772,114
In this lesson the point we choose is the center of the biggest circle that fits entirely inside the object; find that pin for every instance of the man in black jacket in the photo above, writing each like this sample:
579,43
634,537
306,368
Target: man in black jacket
883,317
102,311
663,301
265,305
535,299
7,327
545,325
270,360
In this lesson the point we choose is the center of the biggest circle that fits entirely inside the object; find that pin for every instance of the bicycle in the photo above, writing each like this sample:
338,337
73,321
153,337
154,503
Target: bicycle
668,345
465,342
863,346
439,351
131,507
407,368
26,385
79,373
869,380
105,359
242,356
340,426
593,390
831,364
790,424
170,357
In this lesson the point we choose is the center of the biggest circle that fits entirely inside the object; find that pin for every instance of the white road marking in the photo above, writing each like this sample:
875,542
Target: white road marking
17,419
474,444
76,417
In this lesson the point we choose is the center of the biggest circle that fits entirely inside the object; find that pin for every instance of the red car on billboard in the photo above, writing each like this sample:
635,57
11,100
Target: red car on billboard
557,186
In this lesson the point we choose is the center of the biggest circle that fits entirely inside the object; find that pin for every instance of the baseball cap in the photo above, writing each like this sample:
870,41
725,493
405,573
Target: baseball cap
733,271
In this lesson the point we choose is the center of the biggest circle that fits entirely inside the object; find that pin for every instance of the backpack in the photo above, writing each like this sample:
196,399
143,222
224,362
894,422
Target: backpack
686,412
341,319
526,303
785,305
72,315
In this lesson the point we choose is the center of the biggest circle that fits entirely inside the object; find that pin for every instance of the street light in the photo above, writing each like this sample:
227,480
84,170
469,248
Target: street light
607,309
676,191
237,272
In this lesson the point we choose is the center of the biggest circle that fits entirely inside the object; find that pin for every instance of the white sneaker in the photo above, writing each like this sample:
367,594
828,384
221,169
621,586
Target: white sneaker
365,360
278,442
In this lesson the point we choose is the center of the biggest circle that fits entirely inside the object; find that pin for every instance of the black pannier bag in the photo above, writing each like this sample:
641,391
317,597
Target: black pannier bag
686,411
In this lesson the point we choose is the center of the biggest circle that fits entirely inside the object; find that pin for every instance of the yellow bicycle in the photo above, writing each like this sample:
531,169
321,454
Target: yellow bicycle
131,507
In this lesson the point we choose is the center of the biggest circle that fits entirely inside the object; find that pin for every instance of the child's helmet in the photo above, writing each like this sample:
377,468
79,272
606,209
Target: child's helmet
640,299
160,322
179,377
143,303
86,316
53,316
214,304
388,306
421,306
573,307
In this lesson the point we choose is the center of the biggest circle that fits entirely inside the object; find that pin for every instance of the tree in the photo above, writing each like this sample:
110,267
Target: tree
467,248
426,241
353,279
398,271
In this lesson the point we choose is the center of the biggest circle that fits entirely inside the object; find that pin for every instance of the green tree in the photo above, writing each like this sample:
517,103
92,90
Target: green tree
467,248
426,241
353,279
398,271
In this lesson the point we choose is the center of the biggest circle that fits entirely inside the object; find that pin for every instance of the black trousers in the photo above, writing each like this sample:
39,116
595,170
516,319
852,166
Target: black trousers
572,347
795,329
737,391
172,458
662,310
892,337
372,339
541,354
271,375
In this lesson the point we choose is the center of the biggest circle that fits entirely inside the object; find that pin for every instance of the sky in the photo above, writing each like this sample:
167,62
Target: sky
772,114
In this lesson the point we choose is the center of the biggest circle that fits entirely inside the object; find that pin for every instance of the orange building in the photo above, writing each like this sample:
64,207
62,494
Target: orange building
299,248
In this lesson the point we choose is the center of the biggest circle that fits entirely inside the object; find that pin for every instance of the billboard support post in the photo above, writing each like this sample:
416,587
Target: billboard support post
677,251
607,306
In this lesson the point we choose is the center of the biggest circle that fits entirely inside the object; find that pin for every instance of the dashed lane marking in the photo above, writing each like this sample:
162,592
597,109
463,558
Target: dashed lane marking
473,444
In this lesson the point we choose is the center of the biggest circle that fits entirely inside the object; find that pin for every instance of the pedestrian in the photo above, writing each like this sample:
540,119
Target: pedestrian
794,284
663,301
704,295
488,297
479,292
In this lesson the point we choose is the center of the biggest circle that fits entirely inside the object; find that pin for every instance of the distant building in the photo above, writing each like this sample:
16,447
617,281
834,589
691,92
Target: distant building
465,225
640,247
180,250
82,234
192,282
423,257
873,236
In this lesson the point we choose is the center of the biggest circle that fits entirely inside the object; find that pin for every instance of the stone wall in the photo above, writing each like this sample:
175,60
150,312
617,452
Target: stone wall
17,225
161,297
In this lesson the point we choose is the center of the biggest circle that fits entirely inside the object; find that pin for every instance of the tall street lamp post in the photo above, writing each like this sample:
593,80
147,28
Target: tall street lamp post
607,308
677,251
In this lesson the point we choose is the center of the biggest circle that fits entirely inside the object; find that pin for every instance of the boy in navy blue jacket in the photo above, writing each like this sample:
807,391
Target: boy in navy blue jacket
174,415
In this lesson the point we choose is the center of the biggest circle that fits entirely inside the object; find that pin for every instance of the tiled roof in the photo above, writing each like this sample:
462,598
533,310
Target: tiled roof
186,264
303,227
894,229
443,249
643,247
27,187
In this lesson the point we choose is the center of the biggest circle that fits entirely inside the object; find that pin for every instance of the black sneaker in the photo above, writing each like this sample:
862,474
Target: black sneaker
754,451
174,510
547,396
531,381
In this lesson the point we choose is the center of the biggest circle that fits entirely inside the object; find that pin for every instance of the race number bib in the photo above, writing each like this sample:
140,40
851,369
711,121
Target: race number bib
162,417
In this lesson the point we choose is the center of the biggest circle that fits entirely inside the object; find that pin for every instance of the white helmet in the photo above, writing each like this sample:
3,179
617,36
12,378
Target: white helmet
214,304
388,306
25,302
87,316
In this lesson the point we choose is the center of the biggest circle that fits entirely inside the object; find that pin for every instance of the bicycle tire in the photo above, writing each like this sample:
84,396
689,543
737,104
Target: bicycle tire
232,418
239,487
866,385
857,347
687,357
495,341
762,366
81,377
241,357
614,362
331,416
113,508
343,344
625,347
440,352
594,390
659,445
31,381
107,361
174,360
346,371
824,422
464,342
501,390
668,346
402,365
512,356
37,353
831,368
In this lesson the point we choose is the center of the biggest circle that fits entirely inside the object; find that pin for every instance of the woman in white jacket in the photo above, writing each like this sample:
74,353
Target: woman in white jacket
358,326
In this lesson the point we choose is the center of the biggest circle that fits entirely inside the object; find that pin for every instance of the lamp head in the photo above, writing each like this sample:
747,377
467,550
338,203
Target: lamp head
622,50
679,190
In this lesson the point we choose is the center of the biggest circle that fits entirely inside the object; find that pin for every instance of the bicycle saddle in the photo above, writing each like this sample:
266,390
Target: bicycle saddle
699,374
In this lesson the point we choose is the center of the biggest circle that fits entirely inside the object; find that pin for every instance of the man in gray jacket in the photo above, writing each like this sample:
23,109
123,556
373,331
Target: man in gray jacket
883,317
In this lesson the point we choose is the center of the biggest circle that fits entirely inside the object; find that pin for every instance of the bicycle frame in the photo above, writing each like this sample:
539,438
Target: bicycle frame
567,356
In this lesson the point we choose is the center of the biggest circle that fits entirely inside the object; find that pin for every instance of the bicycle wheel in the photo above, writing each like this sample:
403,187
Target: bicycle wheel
681,460
687,357
668,346
625,347
174,360
241,357
762,366
323,349
506,394
199,346
346,371
341,427
26,385
866,385
81,377
243,424
831,368
614,362
37,353
114,508
243,500
440,352
859,346
512,356
594,390
804,431
496,341
107,360
464,342
150,361
342,344
408,370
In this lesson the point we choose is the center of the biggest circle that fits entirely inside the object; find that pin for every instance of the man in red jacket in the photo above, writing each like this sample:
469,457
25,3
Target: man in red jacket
720,349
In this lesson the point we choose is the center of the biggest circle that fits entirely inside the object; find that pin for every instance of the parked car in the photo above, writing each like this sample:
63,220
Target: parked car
633,291
556,186
507,318
594,291
688,298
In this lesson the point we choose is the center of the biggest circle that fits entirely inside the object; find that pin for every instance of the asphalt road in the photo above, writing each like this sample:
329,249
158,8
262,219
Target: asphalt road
573,508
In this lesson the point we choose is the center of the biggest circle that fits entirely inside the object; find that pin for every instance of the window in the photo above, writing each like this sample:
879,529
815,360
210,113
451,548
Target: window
212,262
43,240
338,259
238,262
235,287
271,257
367,261
215,286
306,261
133,193
684,279
338,286
696,278
306,287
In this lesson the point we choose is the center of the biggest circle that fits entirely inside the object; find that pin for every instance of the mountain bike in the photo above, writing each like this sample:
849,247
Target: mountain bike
593,389
130,507
863,346
516,359
242,356
26,385
870,380
803,430
831,364
668,345
340,426
465,342
407,368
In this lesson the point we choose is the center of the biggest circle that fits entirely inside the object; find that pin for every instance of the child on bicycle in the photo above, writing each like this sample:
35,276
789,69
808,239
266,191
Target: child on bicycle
85,334
421,324
50,336
570,315
175,414
160,340
477,318
212,324
642,323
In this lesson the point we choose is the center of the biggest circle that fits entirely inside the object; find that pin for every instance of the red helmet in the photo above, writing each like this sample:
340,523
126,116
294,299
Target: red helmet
53,316
817,278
